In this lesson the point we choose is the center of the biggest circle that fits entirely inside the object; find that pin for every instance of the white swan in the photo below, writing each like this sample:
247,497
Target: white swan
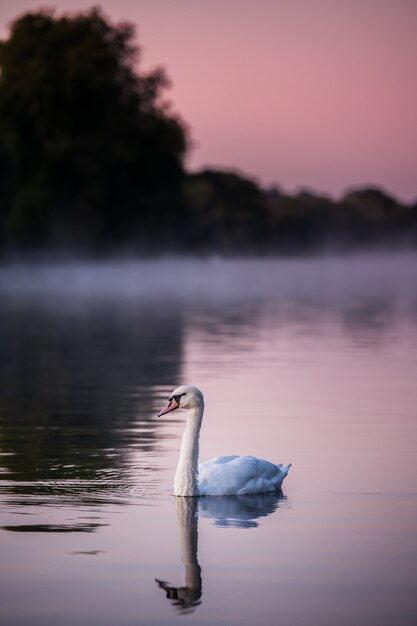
224,475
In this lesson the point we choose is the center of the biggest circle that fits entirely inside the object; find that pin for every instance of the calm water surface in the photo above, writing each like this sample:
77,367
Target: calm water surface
312,362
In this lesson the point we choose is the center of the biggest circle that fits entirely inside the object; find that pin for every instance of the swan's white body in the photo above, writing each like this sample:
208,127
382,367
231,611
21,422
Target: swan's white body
239,475
224,475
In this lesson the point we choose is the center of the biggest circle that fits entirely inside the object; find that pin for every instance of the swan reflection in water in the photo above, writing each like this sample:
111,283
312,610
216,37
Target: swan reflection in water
227,512
187,597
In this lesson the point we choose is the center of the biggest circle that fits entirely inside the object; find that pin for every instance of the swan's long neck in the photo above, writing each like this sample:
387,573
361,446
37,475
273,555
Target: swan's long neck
186,476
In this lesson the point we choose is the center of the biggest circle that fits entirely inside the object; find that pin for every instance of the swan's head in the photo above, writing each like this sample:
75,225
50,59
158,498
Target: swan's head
184,397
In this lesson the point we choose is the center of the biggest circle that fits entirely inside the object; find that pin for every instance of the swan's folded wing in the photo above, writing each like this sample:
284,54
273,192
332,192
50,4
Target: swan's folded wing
234,475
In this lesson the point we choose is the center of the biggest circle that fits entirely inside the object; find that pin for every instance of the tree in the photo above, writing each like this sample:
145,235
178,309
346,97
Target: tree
226,212
89,150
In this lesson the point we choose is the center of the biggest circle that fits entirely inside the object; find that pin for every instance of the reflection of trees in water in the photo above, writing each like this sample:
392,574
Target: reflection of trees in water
237,322
226,512
369,320
75,383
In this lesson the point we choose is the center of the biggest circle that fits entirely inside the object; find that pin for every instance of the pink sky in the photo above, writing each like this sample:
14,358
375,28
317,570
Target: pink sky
318,94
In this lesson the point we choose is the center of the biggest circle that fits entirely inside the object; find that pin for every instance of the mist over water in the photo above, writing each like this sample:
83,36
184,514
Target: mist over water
309,361
333,276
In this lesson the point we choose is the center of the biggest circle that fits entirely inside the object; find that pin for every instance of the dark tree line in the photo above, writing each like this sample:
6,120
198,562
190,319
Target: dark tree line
92,157
232,214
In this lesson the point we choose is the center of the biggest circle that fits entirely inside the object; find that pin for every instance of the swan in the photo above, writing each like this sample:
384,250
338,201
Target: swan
224,475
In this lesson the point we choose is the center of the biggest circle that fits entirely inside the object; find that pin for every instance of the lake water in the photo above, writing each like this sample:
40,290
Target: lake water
308,361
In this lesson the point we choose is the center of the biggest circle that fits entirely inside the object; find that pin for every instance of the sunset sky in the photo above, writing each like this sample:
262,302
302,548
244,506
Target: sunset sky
318,94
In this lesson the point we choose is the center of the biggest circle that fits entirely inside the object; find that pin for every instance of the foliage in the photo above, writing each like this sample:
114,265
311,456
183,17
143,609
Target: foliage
363,218
229,213
226,212
87,143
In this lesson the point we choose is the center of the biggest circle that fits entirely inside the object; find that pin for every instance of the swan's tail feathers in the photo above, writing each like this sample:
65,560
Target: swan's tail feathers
284,470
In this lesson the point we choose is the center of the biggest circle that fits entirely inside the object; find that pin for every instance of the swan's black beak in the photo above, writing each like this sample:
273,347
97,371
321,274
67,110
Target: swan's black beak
172,405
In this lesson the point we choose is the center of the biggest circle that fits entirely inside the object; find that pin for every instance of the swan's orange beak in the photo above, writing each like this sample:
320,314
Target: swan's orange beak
172,405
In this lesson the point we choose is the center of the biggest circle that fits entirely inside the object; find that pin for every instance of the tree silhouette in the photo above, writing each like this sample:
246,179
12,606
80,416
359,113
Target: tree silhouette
87,143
